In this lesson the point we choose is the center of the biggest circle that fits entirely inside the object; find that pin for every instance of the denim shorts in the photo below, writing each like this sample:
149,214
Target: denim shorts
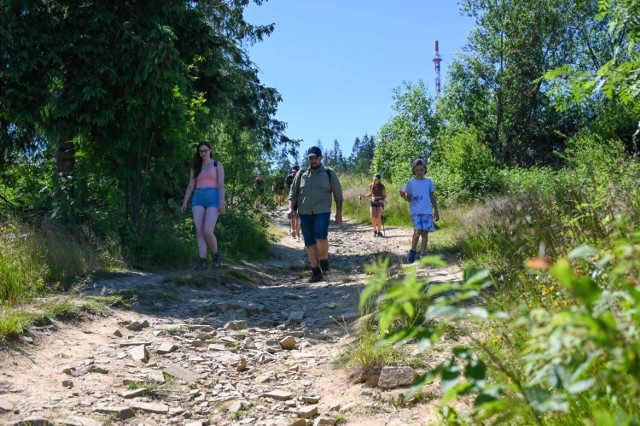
423,222
206,197
314,227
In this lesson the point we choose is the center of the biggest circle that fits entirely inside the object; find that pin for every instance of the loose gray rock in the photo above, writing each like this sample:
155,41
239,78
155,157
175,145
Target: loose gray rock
150,407
121,413
139,353
166,348
394,377
279,395
181,373
308,411
5,405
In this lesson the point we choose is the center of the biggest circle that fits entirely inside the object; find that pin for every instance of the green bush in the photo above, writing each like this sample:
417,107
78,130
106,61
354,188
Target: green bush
543,180
594,159
571,359
565,351
464,168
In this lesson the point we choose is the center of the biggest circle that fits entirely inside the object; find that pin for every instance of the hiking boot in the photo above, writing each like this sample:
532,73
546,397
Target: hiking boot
411,257
217,260
375,234
293,234
202,266
380,234
316,275
324,265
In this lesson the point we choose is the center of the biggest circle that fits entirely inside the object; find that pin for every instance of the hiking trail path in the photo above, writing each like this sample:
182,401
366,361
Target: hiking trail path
246,344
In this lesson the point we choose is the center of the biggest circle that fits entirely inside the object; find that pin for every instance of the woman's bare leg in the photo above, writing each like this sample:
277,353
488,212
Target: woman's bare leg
198,221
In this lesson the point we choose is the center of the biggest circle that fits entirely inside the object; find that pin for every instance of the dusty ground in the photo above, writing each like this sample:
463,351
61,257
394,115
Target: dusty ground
216,340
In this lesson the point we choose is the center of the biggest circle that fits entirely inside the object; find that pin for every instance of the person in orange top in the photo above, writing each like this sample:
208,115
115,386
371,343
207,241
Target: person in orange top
378,194
206,182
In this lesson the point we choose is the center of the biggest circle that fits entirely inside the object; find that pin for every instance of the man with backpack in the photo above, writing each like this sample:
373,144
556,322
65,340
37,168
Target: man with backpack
312,190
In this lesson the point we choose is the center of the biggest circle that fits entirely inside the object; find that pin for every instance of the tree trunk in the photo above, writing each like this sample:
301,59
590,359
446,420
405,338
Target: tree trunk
66,157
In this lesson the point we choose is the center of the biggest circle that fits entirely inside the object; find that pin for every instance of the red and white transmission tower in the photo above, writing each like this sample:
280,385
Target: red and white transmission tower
436,60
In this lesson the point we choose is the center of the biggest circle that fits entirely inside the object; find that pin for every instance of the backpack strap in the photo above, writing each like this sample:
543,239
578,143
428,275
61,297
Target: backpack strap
326,169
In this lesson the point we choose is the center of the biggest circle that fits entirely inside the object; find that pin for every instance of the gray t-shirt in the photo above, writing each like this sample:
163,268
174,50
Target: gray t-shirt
420,190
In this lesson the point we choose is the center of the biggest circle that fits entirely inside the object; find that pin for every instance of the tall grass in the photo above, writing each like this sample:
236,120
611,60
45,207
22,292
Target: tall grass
36,260
559,342
69,255
571,321
22,265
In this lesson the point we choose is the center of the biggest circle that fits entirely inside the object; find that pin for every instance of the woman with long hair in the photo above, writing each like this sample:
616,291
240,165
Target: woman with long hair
206,183
378,194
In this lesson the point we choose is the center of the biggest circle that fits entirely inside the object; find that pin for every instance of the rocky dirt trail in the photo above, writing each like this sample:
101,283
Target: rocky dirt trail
247,344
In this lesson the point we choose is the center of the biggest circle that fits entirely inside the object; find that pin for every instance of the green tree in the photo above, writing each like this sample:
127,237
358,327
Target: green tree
410,133
513,45
335,158
121,91
613,82
362,154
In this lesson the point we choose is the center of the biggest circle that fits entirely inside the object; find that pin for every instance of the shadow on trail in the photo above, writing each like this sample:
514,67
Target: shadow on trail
265,293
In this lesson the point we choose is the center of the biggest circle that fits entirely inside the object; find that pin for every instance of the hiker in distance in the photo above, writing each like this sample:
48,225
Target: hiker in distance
378,194
294,220
206,182
420,192
311,191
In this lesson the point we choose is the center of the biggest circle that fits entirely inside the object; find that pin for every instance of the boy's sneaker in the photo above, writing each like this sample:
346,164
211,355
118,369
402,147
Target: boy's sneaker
202,266
316,275
324,265
411,257
217,260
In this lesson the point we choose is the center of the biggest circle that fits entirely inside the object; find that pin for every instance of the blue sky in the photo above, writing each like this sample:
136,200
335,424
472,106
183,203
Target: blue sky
336,62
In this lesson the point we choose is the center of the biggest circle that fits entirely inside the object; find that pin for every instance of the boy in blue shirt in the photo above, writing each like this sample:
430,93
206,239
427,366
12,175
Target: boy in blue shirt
420,192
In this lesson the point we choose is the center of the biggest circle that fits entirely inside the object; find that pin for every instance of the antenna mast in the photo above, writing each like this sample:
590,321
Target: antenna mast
436,60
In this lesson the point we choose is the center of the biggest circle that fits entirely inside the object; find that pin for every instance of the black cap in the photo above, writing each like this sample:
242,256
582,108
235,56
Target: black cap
314,151
377,176
296,167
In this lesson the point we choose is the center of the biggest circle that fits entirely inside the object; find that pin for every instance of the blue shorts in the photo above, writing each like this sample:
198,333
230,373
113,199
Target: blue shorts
423,222
314,227
206,197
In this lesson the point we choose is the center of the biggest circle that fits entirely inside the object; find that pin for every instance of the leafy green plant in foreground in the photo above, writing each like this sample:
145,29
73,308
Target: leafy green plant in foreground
574,363
430,308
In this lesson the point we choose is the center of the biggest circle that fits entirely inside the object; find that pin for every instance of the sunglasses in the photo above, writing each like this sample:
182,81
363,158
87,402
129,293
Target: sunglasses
203,151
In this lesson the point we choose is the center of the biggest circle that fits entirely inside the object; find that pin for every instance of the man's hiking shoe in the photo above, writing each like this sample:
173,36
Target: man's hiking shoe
217,260
411,257
324,265
380,234
202,265
316,275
